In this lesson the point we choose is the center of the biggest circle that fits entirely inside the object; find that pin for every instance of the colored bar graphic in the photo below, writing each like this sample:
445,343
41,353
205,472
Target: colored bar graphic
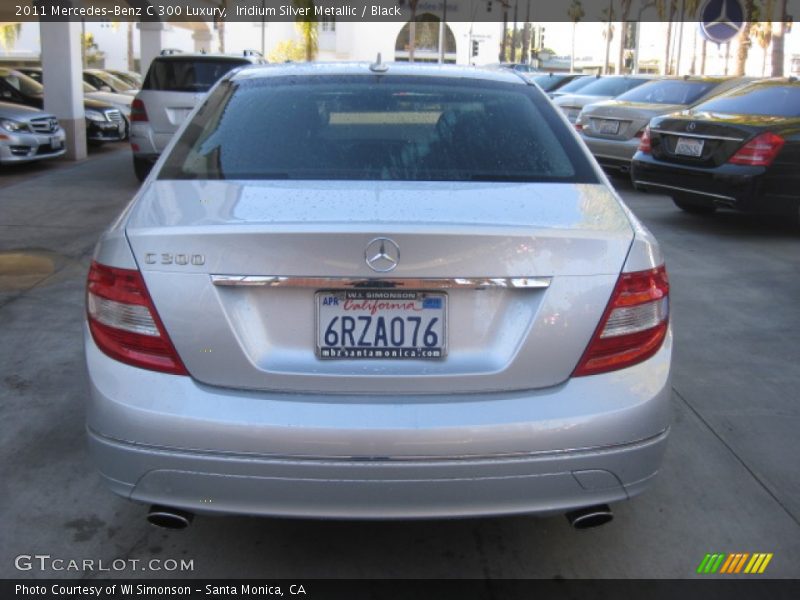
734,563
703,563
765,563
741,563
728,563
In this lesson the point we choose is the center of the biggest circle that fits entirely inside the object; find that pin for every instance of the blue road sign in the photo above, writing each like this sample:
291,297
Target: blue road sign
721,20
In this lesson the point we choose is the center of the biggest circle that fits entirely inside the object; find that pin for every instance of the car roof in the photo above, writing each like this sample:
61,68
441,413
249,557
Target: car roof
391,69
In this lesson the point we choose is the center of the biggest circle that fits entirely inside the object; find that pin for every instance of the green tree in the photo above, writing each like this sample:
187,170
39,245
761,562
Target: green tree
575,13
288,51
8,35
307,27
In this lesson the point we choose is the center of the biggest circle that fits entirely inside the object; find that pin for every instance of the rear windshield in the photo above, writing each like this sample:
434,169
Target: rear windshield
377,128
115,83
547,82
669,92
612,86
767,99
578,83
189,74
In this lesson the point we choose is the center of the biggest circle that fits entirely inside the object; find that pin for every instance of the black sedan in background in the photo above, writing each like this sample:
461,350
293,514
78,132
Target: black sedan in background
104,122
739,150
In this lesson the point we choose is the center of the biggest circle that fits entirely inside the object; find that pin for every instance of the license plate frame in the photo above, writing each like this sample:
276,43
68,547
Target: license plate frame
607,127
360,351
690,147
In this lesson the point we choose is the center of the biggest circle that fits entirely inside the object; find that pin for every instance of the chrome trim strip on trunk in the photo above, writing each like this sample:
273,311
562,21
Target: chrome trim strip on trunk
472,283
697,135
682,189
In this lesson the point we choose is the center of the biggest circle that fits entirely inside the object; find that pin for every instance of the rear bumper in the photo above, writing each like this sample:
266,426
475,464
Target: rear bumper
613,154
145,142
730,186
164,439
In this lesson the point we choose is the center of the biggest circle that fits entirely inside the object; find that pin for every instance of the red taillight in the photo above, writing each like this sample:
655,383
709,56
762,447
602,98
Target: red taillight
124,323
760,151
644,140
633,326
138,111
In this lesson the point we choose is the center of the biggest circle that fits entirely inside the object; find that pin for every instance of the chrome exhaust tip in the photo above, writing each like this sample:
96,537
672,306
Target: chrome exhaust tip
592,516
169,518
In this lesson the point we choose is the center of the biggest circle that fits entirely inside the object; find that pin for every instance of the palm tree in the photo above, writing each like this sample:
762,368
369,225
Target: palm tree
575,13
624,9
762,31
750,14
777,43
412,29
307,26
608,34
8,35
667,8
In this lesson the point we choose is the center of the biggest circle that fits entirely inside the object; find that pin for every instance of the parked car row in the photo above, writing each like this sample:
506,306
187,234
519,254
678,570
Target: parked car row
708,142
29,134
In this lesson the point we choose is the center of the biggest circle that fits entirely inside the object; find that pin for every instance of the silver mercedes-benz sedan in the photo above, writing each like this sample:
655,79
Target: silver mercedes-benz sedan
377,291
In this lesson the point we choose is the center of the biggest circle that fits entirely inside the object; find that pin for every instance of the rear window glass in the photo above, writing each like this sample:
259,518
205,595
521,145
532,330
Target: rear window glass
188,75
669,92
377,128
548,82
769,99
612,86
578,83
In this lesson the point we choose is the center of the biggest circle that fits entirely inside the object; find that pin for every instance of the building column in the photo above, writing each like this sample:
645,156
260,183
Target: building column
63,94
151,43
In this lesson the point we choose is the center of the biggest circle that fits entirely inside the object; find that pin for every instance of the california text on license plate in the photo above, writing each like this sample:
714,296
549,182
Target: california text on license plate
689,147
381,324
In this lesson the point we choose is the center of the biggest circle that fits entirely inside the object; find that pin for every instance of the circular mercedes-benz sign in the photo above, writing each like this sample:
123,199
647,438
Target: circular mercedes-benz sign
721,20
382,255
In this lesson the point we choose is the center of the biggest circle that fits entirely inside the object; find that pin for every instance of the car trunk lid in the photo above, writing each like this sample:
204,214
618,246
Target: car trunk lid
574,238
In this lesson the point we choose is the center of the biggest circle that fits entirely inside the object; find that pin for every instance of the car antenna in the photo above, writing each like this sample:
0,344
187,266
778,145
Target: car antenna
379,66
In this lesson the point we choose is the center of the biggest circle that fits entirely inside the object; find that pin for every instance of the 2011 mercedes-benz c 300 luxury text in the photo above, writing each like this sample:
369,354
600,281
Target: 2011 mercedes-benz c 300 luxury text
377,291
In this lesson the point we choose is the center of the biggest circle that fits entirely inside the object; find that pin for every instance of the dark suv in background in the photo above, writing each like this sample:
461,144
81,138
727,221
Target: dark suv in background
174,85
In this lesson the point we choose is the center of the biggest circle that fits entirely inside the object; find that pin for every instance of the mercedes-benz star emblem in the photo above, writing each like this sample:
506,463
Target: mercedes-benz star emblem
691,126
382,255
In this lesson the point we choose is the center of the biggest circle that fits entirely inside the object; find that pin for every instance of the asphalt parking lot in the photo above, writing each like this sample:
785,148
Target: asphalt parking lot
730,482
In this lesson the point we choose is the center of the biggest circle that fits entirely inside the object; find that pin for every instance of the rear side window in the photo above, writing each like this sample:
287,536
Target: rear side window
669,92
377,128
767,99
187,75
612,86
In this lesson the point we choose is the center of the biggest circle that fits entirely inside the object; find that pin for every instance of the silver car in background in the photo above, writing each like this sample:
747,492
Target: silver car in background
403,291
174,85
612,129
601,89
28,134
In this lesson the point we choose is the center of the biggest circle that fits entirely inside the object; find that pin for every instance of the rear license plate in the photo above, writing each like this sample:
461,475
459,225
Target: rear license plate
381,324
689,147
609,127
